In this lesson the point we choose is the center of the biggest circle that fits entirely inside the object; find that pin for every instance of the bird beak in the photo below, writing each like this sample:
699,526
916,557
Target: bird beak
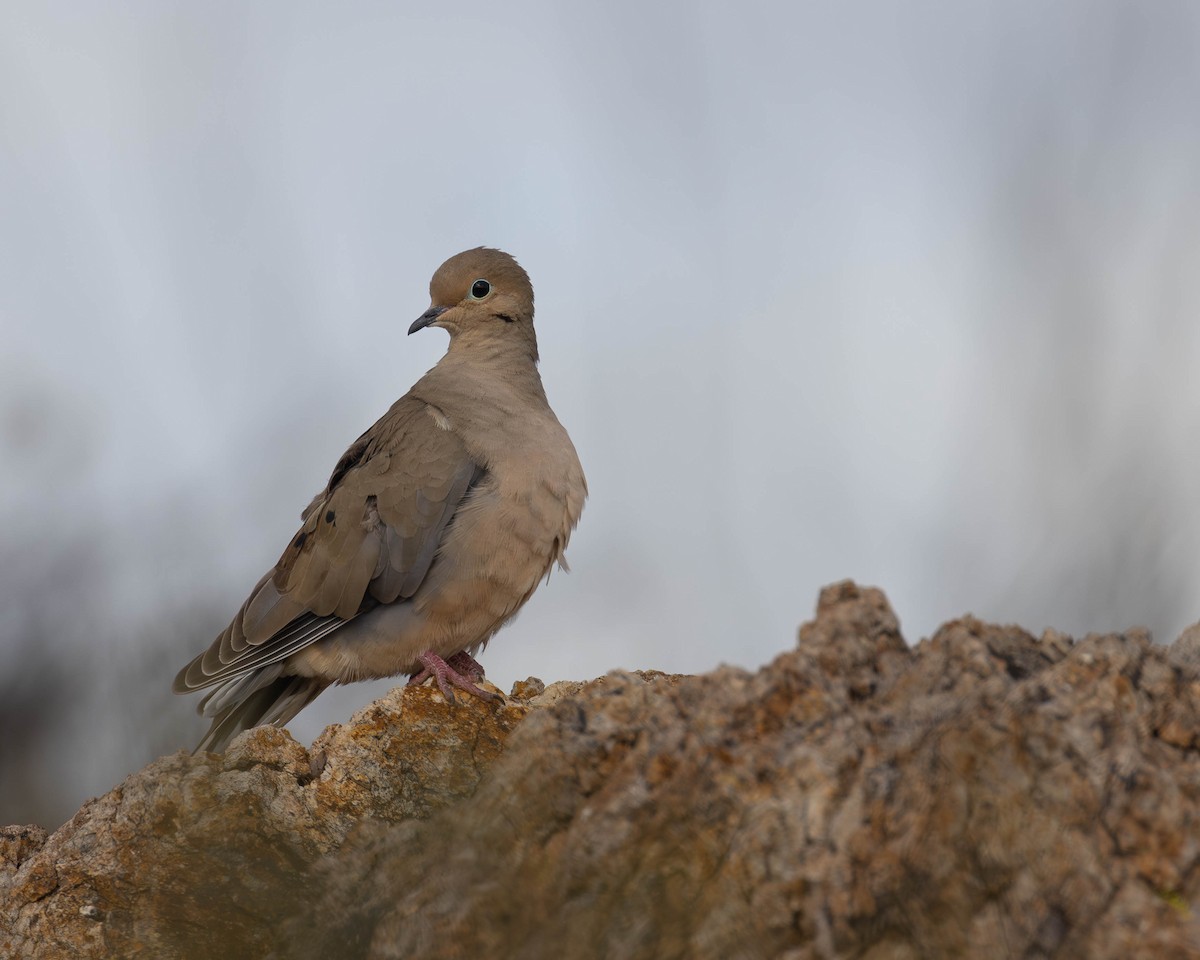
425,319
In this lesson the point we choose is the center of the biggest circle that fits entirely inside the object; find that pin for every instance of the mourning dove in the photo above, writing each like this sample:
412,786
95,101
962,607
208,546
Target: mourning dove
435,527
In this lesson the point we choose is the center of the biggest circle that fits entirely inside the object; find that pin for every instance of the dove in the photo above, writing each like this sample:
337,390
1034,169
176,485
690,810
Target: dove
435,528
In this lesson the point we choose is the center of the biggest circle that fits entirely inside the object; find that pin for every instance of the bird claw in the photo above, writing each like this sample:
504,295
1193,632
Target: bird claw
447,675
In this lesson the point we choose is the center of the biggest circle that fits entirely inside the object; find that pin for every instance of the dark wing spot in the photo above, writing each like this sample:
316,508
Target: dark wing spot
329,517
295,549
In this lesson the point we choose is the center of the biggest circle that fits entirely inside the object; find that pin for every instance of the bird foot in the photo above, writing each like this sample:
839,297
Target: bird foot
446,674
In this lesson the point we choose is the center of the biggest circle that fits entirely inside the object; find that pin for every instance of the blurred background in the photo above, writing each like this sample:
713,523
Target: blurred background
907,293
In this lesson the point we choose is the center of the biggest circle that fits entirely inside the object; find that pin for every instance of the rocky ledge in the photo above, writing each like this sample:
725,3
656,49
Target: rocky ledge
984,793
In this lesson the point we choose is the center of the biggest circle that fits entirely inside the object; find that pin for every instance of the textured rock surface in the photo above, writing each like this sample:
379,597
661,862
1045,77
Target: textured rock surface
984,794
206,856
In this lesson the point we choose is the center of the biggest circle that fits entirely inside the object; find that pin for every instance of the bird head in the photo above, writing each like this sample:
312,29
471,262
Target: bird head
480,294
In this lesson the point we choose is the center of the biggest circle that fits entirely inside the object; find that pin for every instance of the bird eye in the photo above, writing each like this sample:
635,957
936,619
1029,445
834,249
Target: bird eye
480,289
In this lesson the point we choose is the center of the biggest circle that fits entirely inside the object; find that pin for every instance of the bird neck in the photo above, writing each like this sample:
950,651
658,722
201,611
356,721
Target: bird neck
504,366
508,346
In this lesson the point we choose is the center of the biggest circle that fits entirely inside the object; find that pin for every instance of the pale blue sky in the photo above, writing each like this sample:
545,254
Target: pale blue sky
899,293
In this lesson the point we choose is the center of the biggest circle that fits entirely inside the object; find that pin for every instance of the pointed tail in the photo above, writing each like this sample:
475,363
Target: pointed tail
276,701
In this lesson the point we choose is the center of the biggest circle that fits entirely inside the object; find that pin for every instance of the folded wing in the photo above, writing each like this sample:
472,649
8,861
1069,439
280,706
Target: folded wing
369,538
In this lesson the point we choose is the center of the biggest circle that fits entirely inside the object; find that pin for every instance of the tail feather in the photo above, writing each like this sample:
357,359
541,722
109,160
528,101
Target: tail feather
275,702
237,689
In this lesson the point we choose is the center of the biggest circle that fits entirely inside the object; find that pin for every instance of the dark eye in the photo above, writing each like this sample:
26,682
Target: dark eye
480,289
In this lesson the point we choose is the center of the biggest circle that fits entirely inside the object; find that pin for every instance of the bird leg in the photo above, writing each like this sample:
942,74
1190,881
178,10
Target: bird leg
448,676
467,665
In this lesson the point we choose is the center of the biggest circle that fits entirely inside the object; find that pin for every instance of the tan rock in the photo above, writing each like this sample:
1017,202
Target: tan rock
206,856
983,794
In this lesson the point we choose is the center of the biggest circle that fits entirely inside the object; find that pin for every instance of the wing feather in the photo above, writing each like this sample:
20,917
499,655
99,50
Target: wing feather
370,537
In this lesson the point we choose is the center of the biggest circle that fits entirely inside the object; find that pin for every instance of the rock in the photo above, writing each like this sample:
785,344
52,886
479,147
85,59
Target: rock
205,856
982,794
1185,651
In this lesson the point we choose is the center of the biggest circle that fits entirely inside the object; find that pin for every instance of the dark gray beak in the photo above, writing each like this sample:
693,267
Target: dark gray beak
426,319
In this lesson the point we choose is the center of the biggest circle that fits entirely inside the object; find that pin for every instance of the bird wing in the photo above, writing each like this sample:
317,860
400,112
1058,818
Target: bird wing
369,538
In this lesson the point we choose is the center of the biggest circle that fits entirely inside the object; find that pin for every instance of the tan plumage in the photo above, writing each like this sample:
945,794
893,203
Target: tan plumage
435,527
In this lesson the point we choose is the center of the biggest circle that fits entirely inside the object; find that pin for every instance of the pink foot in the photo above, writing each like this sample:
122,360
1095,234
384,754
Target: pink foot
448,676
